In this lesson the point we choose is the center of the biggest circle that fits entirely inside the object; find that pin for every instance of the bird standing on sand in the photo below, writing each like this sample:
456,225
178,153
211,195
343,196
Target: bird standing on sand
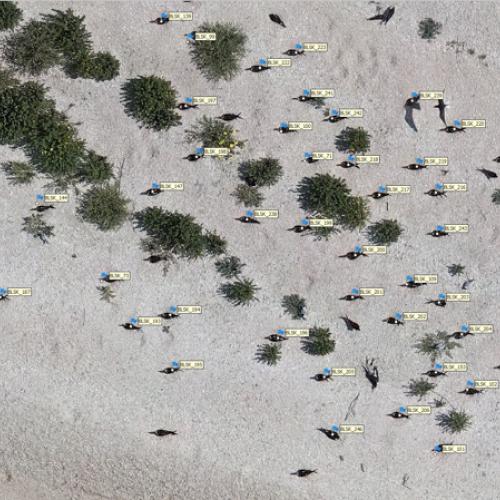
42,208
227,117
277,19
303,472
163,432
441,105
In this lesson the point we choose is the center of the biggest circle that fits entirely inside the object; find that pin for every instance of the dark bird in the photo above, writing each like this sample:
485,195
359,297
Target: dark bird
275,337
497,159
384,17
4,295
415,166
352,297
293,52
193,157
439,447
277,19
247,220
437,302
163,432
353,255
434,373
488,173
170,369
303,98
42,208
130,326
409,119
459,335
496,367
350,324
441,105
348,164
321,377
303,472
152,192
378,194
334,118
470,391
330,433
185,105
256,68
168,315
300,228
413,101
310,159
284,130
435,192
397,414
160,20
154,259
437,233
391,320
227,117
371,372
412,284
451,129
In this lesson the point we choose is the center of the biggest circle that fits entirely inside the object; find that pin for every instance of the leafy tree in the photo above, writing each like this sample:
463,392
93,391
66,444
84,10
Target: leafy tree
294,305
384,232
353,140
95,169
436,345
269,354
229,266
10,15
239,292
420,387
19,172
99,66
248,196
214,244
263,172
454,421
212,133
319,342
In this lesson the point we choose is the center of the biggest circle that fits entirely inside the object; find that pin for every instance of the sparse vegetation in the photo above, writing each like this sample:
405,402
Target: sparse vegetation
436,345
107,293
331,197
219,59
456,269
151,101
248,196
419,388
454,421
229,266
319,342
495,197
38,228
95,169
104,206
294,305
428,29
10,15
239,292
263,172
353,140
99,66
19,172
384,232
214,244
269,354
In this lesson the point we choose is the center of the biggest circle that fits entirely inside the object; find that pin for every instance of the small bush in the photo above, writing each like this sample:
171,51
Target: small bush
229,266
456,269
37,227
495,197
454,421
420,388
319,342
240,292
151,101
355,213
99,66
269,354
7,79
104,206
31,49
219,59
384,232
428,29
248,196
95,169
19,172
107,293
212,133
214,244
10,15
263,172
294,305
353,140
435,345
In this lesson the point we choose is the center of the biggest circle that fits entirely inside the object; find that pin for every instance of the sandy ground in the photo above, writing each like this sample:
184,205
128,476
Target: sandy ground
80,394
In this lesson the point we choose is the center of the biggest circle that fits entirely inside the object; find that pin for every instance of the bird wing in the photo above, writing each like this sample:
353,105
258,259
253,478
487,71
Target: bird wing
442,111
376,17
388,14
409,117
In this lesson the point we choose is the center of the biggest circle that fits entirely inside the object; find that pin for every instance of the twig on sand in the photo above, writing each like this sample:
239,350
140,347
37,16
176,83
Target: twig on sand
350,410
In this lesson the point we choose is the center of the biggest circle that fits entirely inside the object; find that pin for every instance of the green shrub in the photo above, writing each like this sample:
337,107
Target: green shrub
239,292
454,421
10,15
104,206
294,305
420,387
214,244
219,59
95,169
428,29
263,172
248,196
31,49
99,66
7,79
37,227
384,232
151,101
269,354
436,345
319,342
212,133
353,140
330,196
19,172
229,266
495,197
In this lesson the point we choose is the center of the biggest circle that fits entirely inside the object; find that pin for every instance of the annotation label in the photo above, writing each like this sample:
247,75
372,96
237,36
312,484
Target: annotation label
192,364
172,186
315,47
415,316
374,249
454,367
